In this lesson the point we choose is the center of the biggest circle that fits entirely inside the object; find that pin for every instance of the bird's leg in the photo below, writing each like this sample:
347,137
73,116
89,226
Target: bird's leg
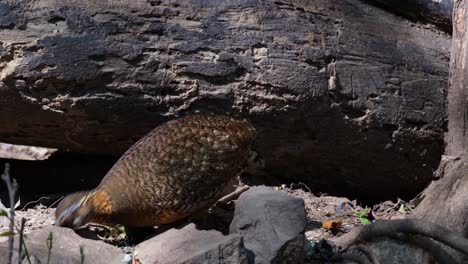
233,195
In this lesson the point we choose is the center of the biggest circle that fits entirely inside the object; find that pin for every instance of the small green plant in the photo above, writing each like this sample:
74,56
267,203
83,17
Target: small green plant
23,253
50,243
403,209
12,187
363,215
82,256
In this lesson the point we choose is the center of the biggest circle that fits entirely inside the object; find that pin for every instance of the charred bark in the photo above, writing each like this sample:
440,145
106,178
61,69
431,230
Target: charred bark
449,196
346,97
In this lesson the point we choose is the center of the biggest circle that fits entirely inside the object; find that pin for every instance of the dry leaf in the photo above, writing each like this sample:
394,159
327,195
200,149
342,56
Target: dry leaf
332,224
136,261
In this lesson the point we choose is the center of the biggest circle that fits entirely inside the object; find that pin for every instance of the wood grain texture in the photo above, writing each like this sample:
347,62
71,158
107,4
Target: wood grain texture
343,95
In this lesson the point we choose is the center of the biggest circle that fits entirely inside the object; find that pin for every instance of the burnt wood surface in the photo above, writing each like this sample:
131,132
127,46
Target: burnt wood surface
345,96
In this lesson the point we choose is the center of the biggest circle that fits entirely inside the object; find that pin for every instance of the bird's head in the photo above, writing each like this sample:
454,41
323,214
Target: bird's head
73,211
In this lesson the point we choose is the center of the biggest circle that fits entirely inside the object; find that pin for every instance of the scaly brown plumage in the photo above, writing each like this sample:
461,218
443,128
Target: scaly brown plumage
177,169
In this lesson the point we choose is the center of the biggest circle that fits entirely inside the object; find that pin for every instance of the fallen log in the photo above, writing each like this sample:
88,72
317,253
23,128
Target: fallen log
345,97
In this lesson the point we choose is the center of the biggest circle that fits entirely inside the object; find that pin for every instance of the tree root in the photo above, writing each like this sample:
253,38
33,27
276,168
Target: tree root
389,228
440,255
354,257
368,251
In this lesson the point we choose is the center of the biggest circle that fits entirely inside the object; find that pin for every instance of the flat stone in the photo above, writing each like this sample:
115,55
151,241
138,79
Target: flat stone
189,245
272,225
65,248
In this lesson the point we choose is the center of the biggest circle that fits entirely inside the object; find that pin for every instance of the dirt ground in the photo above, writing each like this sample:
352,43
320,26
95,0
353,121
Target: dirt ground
340,212
331,216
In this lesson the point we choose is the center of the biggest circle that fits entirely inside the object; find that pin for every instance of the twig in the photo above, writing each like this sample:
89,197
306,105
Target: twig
301,184
108,227
232,196
54,203
43,197
393,207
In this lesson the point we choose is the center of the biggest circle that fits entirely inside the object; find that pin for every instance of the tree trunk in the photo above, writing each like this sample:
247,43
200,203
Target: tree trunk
445,202
94,76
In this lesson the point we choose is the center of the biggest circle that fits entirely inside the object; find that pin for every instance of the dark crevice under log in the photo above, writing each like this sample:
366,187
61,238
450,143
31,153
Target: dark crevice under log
60,174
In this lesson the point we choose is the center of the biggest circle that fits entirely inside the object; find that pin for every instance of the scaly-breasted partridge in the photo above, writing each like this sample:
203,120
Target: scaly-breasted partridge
179,168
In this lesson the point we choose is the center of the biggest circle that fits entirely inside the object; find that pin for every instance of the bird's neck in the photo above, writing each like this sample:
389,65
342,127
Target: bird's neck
100,206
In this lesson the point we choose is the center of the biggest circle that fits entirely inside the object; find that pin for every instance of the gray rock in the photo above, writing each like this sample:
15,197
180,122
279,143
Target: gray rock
65,248
272,225
189,245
